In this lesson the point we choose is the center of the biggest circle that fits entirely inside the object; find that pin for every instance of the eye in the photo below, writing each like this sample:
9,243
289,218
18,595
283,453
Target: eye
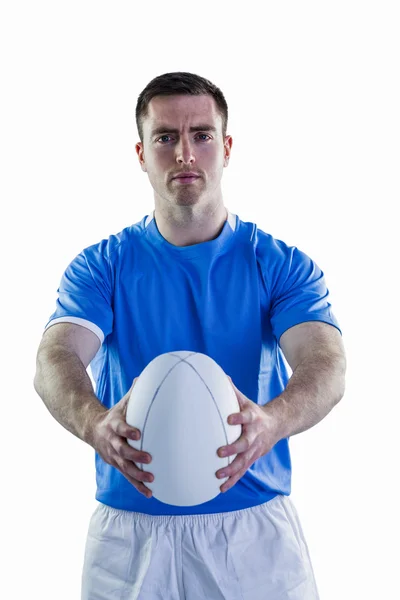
200,134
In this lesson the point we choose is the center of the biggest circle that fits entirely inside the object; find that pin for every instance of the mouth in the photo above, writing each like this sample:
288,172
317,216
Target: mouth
186,179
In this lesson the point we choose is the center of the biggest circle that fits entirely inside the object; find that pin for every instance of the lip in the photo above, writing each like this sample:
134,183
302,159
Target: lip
187,179
186,174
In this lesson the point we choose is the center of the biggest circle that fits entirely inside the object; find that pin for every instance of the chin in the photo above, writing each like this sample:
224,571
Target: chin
187,200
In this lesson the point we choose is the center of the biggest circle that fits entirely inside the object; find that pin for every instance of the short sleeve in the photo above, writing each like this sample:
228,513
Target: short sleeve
85,295
298,292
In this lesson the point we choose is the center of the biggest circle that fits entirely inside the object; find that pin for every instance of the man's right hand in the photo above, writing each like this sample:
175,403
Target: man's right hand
110,435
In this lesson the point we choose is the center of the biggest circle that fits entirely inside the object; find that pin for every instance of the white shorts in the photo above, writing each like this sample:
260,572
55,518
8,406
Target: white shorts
257,553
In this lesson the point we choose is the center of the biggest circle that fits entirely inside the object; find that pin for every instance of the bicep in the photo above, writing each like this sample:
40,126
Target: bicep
74,338
308,339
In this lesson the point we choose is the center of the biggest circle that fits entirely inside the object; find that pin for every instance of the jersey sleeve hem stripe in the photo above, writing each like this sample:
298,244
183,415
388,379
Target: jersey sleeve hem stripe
78,321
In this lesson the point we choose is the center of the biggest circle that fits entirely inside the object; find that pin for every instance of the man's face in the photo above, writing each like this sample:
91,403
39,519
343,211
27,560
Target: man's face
165,154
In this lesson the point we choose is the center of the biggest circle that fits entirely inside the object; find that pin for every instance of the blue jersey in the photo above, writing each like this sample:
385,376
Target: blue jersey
230,298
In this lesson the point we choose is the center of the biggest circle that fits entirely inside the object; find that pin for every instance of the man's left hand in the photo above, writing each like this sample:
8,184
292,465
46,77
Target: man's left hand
258,437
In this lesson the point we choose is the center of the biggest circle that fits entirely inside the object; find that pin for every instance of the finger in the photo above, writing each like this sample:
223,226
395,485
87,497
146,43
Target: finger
133,471
226,486
139,486
126,451
235,466
232,480
129,461
136,482
235,419
126,431
241,445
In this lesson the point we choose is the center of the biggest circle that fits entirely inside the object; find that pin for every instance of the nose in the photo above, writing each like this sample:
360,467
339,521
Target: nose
184,151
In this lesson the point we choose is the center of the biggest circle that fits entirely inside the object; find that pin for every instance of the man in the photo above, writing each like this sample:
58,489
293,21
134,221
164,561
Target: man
193,276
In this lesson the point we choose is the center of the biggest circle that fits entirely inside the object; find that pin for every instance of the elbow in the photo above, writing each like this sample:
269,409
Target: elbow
37,379
341,379
37,382
341,389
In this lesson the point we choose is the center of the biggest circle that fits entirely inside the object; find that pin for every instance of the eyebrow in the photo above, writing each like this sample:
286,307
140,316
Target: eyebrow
166,129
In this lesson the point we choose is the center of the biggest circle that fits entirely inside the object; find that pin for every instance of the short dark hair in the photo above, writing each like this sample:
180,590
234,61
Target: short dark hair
179,83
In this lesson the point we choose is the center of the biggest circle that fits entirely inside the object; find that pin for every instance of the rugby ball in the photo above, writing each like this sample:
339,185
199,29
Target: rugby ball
180,403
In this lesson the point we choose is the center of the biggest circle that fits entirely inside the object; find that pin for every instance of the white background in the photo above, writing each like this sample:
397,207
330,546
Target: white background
313,96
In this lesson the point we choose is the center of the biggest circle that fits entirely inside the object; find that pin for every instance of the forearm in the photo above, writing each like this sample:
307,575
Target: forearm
63,384
315,387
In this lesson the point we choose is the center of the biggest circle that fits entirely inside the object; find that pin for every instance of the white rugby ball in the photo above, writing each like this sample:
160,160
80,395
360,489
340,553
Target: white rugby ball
180,403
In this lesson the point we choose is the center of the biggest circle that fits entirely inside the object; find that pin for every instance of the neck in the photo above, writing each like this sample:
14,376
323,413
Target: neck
188,226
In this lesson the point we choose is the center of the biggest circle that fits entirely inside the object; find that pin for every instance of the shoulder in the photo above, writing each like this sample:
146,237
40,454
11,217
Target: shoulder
108,249
276,256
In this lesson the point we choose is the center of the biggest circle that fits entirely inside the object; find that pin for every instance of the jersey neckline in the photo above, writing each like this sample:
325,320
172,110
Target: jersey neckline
202,249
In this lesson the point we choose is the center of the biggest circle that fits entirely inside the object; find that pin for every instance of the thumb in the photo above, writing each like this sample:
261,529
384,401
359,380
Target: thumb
131,388
124,400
